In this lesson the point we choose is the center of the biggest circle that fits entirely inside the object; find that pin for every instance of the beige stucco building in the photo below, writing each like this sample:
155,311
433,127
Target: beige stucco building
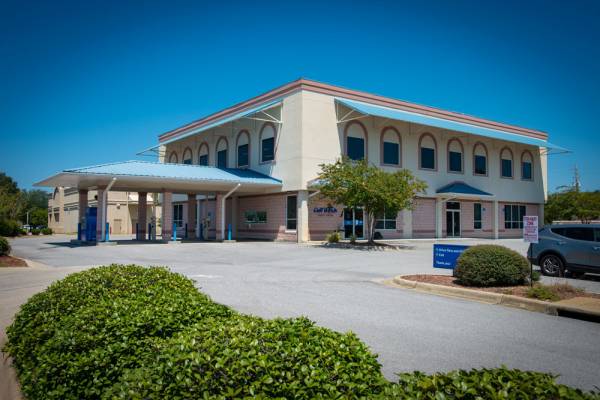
248,169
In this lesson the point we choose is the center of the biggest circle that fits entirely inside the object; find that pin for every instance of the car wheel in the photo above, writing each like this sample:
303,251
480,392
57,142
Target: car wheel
552,265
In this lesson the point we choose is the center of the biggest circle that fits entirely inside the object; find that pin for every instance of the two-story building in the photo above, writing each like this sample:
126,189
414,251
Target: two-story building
248,169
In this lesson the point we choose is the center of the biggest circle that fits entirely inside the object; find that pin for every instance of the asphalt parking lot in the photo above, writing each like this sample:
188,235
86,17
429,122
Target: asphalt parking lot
339,289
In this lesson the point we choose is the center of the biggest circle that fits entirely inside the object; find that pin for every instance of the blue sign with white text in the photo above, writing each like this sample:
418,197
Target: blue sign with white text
445,255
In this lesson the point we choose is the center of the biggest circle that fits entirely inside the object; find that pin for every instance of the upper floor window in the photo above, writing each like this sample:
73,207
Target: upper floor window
526,166
173,158
203,154
355,139
267,142
390,146
221,151
243,149
479,159
187,156
455,156
506,163
427,152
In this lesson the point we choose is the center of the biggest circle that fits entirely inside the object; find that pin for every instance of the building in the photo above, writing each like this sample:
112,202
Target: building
63,210
248,169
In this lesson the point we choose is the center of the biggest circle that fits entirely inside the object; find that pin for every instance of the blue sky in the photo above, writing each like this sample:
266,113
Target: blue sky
83,83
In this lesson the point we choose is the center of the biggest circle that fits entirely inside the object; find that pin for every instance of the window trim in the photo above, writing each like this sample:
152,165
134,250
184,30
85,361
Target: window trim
522,157
487,169
260,140
462,157
222,138
435,152
365,139
202,145
237,148
512,163
381,145
286,213
173,153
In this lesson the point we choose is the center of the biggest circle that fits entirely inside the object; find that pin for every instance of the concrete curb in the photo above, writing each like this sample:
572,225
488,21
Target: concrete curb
497,298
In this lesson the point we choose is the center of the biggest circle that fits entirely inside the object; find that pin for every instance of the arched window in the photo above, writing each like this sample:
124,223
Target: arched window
221,152
243,149
203,154
455,156
506,163
526,166
187,156
391,147
173,158
355,141
267,142
427,152
480,156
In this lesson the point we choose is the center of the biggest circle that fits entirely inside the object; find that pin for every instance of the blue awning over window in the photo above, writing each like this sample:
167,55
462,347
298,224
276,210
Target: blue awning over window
461,188
392,113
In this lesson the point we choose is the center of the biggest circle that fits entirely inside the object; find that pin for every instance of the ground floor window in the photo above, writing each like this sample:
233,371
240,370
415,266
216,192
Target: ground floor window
291,213
477,216
178,215
387,220
255,217
513,216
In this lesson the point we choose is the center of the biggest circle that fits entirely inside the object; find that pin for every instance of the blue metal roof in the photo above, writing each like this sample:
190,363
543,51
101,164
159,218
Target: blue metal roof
416,118
176,172
462,188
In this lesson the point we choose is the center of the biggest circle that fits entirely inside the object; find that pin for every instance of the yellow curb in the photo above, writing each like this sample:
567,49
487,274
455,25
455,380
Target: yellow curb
493,298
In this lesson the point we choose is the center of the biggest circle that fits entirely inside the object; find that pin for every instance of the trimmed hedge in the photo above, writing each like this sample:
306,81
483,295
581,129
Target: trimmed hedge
491,265
4,247
124,331
46,231
9,227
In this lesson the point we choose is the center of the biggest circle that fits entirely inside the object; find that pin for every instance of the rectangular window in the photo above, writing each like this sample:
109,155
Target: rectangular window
506,168
178,215
526,170
255,217
427,158
203,160
386,221
391,153
455,161
242,154
480,165
187,161
355,148
513,216
222,159
291,213
477,216
268,149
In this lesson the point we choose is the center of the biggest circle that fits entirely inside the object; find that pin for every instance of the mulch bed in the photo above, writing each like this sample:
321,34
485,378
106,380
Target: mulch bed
9,261
564,291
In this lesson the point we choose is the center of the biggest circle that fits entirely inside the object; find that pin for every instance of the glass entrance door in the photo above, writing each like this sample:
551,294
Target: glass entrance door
354,222
453,219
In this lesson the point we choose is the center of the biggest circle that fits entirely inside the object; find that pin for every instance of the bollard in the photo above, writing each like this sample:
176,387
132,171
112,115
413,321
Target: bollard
229,232
79,231
174,237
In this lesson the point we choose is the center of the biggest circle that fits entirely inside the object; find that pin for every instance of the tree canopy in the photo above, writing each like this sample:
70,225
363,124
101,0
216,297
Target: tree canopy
571,204
16,203
358,184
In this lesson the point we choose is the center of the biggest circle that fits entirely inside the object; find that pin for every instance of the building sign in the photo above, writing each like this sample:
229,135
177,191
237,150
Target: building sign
530,228
445,255
325,210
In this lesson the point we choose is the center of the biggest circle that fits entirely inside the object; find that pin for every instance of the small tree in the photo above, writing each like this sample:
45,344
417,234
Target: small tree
358,184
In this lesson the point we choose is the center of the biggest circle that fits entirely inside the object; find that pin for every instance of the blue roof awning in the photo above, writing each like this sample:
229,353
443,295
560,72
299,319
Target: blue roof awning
154,176
462,189
392,113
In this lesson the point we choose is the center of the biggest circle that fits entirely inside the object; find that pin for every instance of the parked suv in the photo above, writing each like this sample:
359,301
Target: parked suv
575,248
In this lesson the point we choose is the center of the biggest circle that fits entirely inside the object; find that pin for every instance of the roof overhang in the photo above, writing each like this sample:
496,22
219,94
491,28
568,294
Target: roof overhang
460,190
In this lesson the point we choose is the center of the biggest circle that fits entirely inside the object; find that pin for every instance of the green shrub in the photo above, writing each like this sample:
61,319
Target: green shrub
497,383
334,237
542,292
4,247
245,357
9,227
491,265
35,231
46,231
76,338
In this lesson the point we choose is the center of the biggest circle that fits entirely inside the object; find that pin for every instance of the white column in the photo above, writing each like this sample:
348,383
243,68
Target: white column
439,208
407,226
302,216
495,219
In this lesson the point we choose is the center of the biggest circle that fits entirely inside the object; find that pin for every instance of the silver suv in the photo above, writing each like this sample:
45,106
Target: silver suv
573,248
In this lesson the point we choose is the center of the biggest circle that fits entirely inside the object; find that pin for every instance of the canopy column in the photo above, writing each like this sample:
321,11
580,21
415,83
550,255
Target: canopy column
142,215
191,215
302,217
407,224
167,215
439,208
83,204
100,216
